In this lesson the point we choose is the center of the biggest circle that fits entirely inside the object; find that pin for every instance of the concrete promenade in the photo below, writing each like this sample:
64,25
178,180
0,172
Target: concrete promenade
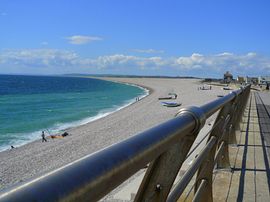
249,178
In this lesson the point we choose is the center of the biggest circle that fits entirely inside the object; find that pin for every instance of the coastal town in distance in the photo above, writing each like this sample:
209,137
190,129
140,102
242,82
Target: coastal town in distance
135,101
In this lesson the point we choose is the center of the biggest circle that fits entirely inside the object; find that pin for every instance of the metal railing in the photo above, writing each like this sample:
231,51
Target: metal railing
165,147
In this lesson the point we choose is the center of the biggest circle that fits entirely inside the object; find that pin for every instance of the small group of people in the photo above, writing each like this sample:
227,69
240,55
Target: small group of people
137,99
53,136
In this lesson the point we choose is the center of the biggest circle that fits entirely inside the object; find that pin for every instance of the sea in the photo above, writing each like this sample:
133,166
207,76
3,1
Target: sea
32,104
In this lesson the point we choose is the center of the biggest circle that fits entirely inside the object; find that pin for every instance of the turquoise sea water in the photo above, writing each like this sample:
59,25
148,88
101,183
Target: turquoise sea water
30,104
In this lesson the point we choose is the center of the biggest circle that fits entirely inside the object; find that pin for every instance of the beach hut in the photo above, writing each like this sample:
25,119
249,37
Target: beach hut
228,77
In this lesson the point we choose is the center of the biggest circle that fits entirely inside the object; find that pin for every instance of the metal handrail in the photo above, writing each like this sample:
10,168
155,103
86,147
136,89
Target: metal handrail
95,175
180,187
198,194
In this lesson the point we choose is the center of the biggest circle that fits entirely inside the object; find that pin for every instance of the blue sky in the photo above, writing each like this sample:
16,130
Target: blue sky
143,37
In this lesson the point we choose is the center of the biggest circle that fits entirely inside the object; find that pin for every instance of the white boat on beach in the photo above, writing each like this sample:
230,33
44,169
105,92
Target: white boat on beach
227,88
169,97
171,104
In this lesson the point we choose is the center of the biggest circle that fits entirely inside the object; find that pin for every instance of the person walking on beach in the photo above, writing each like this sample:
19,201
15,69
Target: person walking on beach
43,137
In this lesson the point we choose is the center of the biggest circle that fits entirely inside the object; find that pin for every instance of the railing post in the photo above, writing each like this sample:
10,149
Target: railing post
234,113
240,103
230,135
162,172
244,100
206,169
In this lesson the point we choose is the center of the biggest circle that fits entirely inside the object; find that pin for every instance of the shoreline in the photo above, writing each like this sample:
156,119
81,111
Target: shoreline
77,123
37,158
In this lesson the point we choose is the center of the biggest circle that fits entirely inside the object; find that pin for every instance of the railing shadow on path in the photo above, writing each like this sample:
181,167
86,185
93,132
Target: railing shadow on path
250,176
264,124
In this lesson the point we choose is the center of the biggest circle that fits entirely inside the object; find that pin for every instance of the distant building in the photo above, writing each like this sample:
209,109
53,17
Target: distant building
228,77
240,79
264,79
252,80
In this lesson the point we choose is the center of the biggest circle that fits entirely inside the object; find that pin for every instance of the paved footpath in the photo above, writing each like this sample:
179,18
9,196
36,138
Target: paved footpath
263,106
249,179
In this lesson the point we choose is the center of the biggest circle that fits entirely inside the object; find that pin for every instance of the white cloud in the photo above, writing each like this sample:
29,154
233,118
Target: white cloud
52,60
44,43
247,64
251,54
192,62
151,51
113,60
38,57
224,54
79,39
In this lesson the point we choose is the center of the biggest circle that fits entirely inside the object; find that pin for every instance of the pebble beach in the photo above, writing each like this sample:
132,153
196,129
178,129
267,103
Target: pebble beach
36,158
